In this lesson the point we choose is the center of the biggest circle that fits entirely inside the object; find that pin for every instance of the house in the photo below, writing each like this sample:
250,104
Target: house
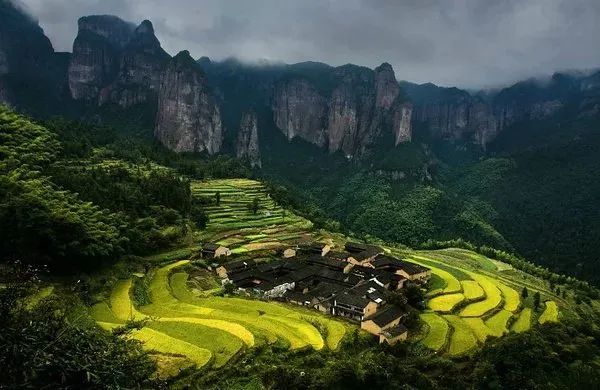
225,270
353,306
210,251
383,319
274,289
329,263
361,254
415,272
338,255
317,248
296,297
411,271
393,335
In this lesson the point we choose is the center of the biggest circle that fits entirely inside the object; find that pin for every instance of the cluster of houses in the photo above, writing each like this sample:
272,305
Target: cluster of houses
350,283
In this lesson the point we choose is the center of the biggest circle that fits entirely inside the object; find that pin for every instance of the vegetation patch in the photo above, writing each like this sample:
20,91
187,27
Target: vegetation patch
550,313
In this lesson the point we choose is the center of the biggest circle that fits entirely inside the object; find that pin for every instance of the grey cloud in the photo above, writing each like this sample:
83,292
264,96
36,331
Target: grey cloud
468,43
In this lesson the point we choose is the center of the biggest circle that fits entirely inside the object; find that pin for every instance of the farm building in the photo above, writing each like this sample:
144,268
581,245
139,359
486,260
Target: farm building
315,248
352,305
393,335
382,320
210,251
226,269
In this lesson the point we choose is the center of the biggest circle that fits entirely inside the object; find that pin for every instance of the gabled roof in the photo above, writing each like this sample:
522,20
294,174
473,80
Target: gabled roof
352,299
327,262
233,266
295,296
394,331
355,247
338,255
412,268
386,316
209,246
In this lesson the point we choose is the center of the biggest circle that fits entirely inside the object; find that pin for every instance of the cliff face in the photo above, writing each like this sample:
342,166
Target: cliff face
348,117
299,111
247,147
451,113
113,61
188,118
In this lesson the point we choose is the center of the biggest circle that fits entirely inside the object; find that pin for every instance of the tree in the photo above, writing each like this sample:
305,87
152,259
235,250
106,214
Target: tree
218,198
524,293
414,295
254,206
536,300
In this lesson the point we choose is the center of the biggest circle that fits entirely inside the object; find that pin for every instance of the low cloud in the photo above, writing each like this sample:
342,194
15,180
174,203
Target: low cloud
467,43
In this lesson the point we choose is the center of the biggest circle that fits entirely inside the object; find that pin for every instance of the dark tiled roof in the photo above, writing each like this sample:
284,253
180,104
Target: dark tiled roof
325,290
394,331
355,247
295,296
209,246
338,255
385,316
412,268
387,262
239,265
327,262
352,299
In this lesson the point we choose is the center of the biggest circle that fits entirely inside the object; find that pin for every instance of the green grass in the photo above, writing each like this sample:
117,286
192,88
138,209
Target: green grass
462,340
445,303
34,299
437,336
550,313
523,322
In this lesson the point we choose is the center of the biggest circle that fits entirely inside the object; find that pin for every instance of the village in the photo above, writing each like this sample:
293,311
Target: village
351,284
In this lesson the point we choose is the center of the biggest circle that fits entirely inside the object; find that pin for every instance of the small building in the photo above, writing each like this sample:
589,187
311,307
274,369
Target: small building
211,251
226,270
329,263
411,271
274,289
383,319
361,254
338,255
353,306
393,335
317,248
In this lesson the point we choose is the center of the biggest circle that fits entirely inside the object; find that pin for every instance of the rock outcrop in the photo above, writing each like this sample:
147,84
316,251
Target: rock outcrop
188,118
247,146
115,62
350,116
96,54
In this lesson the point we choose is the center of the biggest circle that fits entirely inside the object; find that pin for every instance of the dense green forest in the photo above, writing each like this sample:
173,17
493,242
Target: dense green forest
537,200
77,196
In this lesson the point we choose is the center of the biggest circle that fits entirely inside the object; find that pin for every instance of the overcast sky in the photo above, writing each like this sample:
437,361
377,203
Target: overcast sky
467,43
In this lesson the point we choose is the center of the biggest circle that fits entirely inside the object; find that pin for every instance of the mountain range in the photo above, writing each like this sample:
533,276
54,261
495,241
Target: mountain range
310,119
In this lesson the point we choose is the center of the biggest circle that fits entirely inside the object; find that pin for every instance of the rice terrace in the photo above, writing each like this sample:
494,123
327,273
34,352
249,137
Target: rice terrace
186,318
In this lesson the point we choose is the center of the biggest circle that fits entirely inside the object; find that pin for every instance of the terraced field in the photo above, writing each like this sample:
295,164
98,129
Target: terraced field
471,299
233,223
210,330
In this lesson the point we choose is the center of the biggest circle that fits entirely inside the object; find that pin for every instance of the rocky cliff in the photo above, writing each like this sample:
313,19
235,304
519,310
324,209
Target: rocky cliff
188,118
113,61
455,114
247,146
347,112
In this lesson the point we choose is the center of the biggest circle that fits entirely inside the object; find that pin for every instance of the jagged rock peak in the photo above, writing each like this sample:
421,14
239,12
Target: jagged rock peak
386,86
188,118
114,29
145,27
